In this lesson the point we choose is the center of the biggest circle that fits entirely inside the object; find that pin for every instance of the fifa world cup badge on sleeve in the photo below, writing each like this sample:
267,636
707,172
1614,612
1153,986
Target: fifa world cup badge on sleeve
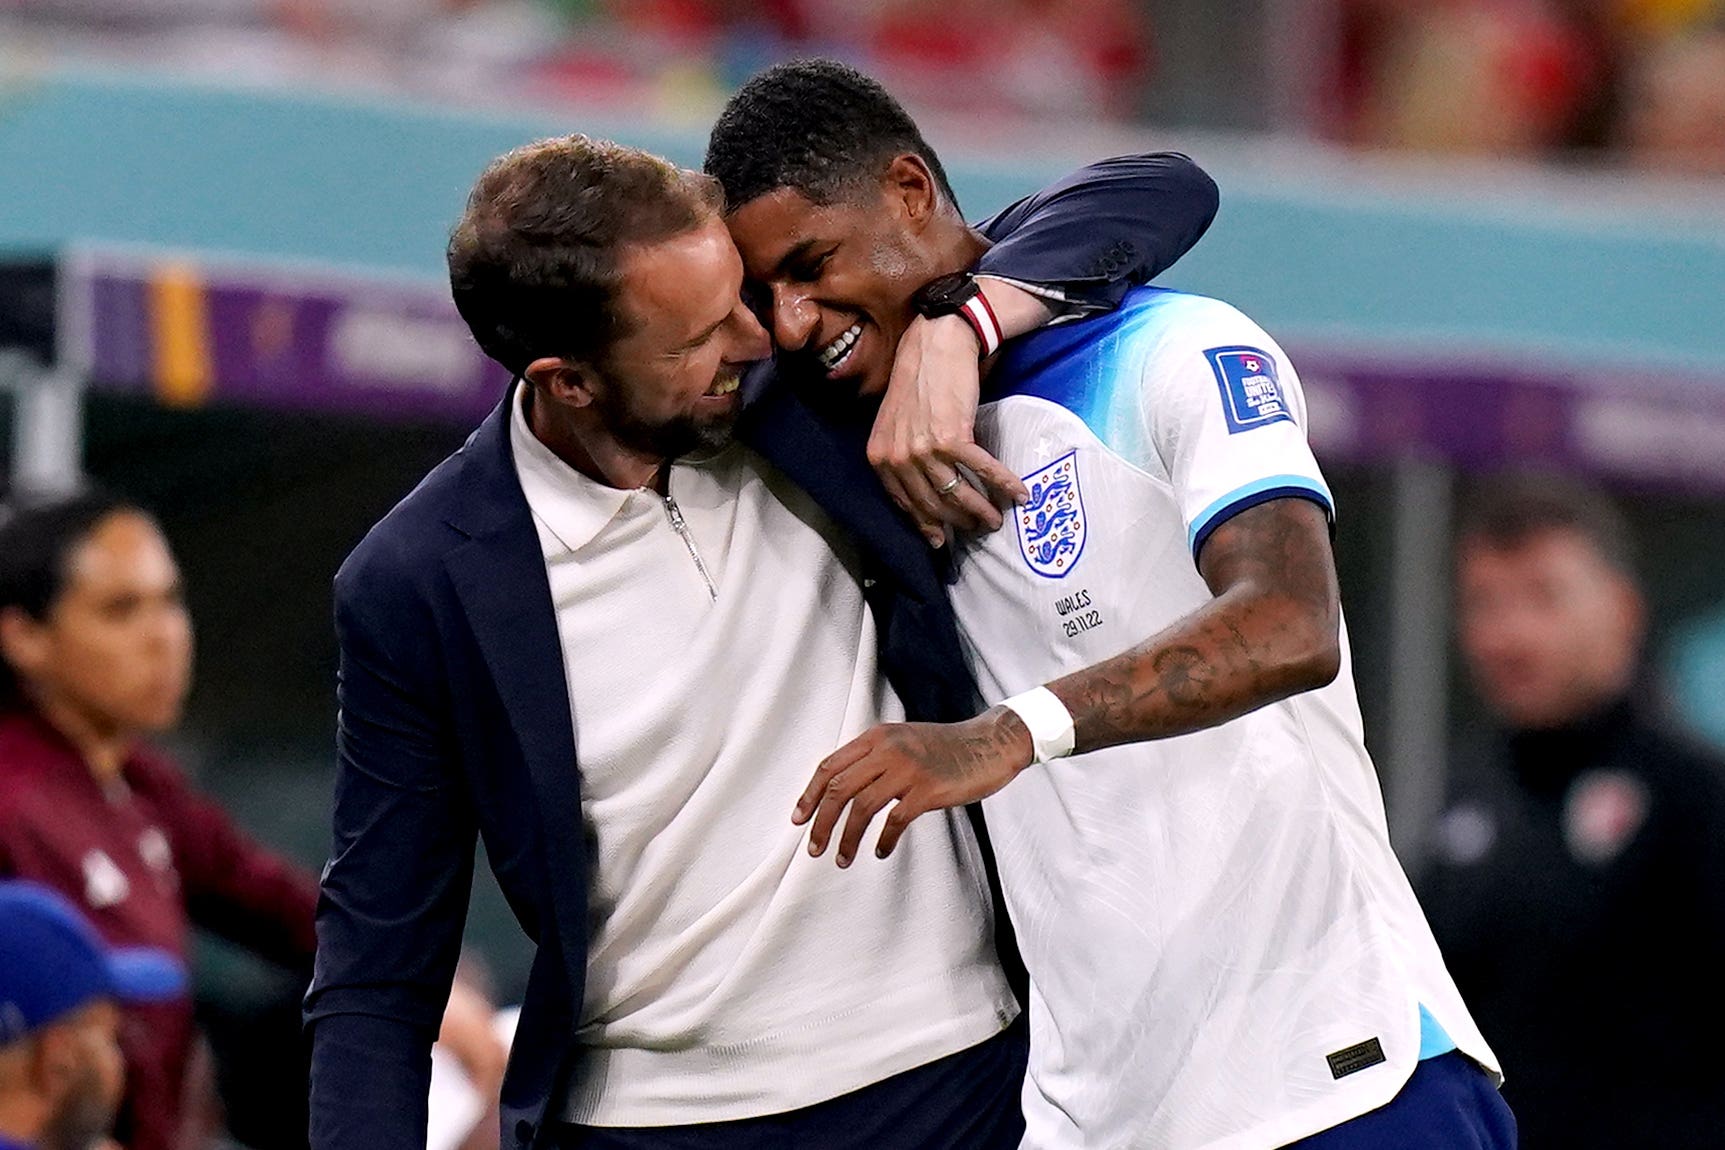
1251,393
1051,526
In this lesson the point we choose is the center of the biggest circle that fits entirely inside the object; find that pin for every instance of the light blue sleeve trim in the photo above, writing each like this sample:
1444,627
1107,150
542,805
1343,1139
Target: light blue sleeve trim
1434,1039
1252,493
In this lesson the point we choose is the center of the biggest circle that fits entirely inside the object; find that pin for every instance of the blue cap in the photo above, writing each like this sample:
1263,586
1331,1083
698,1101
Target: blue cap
52,962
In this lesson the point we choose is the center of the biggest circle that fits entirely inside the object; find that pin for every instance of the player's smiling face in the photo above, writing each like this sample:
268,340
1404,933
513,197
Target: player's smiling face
836,279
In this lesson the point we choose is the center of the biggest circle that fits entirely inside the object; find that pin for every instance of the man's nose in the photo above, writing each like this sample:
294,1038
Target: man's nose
795,319
751,340
756,343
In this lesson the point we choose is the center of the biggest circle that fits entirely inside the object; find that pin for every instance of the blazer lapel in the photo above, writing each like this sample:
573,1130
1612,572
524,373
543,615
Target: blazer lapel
499,576
830,462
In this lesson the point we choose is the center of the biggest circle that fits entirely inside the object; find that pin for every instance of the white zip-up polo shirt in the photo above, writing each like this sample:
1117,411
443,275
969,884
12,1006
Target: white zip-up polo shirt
717,648
1223,950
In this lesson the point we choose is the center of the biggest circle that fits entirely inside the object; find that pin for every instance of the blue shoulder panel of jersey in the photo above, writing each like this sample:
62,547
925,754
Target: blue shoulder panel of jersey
1080,365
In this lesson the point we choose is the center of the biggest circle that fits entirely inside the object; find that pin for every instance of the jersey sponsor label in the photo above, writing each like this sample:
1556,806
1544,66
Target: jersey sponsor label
1051,526
1251,392
1355,1058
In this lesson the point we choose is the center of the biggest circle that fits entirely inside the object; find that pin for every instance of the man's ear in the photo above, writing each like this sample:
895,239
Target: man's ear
912,188
566,381
23,643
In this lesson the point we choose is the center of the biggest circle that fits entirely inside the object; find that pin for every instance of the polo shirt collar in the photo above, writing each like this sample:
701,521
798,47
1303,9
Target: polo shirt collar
568,504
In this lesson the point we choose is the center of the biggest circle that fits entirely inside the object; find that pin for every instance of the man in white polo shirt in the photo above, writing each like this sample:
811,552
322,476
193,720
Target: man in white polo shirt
1223,951
602,577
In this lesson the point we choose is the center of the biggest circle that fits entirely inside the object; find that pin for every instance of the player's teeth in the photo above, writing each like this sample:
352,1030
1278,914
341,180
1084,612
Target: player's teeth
832,353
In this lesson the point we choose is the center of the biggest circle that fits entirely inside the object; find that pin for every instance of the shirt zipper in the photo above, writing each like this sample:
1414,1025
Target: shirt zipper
675,514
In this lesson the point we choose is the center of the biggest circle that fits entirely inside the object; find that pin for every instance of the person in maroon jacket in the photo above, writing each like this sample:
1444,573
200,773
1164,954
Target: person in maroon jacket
95,655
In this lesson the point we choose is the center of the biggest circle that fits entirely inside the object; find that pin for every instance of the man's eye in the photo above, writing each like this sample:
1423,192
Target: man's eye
811,271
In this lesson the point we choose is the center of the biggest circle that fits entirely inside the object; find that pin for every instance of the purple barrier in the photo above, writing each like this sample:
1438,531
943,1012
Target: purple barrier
194,333
1636,428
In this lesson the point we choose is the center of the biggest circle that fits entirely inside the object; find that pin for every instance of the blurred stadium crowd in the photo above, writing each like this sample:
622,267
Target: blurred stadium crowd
1641,82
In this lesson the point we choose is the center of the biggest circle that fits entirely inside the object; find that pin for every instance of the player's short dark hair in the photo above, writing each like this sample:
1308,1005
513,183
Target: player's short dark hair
533,261
817,127
38,533
1509,510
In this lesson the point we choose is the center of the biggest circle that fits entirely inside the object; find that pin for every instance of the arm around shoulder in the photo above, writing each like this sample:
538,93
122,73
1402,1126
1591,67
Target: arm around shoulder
1104,228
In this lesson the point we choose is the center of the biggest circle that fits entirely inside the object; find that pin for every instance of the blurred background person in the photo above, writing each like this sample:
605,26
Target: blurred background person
1578,885
61,1071
96,658
96,651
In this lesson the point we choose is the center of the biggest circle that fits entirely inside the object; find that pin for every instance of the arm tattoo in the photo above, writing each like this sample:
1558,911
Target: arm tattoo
954,760
1270,632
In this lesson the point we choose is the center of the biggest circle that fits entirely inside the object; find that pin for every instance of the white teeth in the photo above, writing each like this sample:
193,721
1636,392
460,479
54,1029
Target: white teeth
839,349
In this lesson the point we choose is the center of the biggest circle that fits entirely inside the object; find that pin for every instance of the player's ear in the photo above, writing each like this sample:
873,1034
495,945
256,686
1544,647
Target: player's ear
566,381
912,190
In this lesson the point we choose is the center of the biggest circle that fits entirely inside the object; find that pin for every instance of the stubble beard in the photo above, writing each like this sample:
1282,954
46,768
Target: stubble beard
670,439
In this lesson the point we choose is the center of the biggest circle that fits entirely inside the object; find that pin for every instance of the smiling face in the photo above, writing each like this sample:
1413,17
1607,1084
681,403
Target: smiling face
673,378
837,279
669,384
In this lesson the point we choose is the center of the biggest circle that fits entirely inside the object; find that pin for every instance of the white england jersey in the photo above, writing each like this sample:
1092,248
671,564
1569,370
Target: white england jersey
1223,950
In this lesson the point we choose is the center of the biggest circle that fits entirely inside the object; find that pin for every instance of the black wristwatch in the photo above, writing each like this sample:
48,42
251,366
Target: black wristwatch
958,294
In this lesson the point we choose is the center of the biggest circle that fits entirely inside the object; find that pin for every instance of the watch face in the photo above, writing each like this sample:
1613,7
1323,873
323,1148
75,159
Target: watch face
945,295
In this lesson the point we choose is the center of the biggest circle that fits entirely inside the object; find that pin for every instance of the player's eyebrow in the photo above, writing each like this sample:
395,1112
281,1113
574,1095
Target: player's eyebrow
798,253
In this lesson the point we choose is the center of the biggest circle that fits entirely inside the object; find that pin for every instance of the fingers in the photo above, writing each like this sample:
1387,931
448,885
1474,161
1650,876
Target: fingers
896,491
897,820
998,480
834,764
976,511
920,481
925,505
864,807
840,789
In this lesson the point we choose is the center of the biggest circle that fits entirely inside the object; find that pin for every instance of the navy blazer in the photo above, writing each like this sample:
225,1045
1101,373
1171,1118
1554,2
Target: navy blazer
454,718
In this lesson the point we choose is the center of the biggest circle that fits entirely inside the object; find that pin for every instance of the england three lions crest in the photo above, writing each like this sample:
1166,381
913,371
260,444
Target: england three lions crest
1051,525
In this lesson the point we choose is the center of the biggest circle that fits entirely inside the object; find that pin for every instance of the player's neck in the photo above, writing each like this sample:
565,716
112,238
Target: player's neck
953,245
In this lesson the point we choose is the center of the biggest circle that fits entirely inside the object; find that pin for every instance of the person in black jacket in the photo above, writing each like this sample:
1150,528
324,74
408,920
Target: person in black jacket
1578,887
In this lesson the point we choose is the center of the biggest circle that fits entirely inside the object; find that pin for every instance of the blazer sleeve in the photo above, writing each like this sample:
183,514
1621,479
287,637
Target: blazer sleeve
1103,229
395,891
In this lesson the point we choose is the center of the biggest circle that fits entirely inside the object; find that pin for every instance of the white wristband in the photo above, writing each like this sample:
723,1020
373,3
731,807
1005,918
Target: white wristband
1050,723
980,316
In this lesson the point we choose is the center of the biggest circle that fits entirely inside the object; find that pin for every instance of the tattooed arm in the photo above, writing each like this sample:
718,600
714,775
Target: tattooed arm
1271,631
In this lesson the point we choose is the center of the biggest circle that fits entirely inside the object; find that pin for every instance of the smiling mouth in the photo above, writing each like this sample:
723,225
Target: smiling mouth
834,354
726,384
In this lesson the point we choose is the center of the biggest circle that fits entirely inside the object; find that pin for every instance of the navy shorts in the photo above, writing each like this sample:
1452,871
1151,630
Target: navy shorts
1448,1104
969,1100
